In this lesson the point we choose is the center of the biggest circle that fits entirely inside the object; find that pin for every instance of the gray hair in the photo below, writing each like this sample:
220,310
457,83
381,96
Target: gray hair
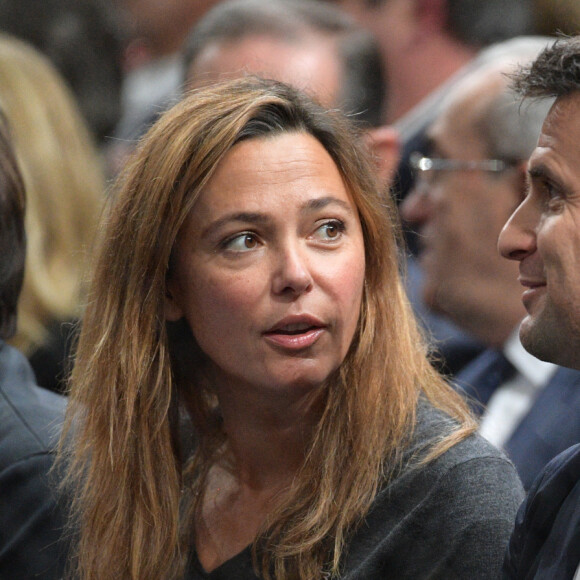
509,127
512,128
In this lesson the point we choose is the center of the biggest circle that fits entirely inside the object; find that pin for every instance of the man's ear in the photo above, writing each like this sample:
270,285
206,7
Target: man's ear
385,144
173,311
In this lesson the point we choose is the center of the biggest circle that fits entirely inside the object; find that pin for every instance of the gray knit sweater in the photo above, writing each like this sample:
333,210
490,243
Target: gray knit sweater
450,519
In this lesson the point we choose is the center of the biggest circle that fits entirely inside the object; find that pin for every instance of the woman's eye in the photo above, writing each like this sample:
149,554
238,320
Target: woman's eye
243,242
330,231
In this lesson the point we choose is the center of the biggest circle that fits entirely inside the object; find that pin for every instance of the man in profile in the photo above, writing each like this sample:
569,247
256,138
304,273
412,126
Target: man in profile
31,518
467,187
543,235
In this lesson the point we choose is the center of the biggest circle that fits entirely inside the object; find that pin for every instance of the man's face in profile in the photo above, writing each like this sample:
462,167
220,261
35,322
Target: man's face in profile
543,234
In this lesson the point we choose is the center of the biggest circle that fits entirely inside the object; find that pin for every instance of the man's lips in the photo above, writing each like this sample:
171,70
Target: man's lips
295,332
534,287
531,282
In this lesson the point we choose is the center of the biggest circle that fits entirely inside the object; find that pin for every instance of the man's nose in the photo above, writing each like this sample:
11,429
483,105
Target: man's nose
518,236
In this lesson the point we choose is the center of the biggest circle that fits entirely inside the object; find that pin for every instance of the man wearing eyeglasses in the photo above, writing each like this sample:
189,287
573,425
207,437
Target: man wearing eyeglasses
468,184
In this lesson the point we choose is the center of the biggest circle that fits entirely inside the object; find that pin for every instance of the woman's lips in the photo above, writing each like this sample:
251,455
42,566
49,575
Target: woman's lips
295,333
295,341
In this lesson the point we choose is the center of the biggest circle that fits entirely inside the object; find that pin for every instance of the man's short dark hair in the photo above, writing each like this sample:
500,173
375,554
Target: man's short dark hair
12,236
554,73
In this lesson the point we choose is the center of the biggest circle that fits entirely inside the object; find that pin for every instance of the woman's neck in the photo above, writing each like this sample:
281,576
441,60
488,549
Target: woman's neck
266,446
268,438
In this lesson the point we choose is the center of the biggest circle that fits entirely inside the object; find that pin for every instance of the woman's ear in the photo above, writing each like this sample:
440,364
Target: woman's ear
173,311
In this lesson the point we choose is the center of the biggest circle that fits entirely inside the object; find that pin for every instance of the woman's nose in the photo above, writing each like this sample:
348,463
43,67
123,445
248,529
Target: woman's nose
292,271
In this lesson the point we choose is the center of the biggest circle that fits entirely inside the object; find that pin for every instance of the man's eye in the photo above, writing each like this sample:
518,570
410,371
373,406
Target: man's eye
553,195
551,191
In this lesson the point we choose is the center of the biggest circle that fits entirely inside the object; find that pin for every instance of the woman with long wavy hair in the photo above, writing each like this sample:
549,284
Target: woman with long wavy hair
251,396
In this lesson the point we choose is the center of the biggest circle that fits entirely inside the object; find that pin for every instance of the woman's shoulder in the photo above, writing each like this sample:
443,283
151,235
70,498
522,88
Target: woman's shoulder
471,472
433,426
449,517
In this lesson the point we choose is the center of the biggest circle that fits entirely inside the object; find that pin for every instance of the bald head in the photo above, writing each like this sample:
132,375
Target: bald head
311,45
311,64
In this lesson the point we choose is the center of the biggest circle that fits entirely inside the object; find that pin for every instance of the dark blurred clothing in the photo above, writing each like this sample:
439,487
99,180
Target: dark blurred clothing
548,427
51,362
31,518
546,541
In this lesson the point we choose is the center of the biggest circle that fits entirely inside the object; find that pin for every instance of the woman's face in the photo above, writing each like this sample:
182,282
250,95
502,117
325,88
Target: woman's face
269,266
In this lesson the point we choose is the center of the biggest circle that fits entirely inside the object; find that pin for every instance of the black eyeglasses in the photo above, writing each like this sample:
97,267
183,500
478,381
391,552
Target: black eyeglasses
422,165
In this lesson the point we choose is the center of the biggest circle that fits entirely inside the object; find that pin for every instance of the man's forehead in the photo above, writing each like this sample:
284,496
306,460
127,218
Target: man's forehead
312,64
564,111
560,134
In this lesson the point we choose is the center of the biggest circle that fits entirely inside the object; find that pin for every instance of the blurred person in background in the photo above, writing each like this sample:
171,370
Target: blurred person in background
31,518
468,185
84,40
426,45
153,67
65,187
313,46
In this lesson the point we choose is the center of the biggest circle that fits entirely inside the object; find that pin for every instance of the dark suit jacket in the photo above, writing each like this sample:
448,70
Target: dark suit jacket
31,520
545,544
551,425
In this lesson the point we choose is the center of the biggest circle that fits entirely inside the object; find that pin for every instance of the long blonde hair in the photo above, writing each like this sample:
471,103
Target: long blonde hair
64,187
134,372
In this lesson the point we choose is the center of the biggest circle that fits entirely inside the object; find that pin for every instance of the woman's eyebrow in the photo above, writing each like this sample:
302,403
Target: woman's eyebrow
322,202
242,216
